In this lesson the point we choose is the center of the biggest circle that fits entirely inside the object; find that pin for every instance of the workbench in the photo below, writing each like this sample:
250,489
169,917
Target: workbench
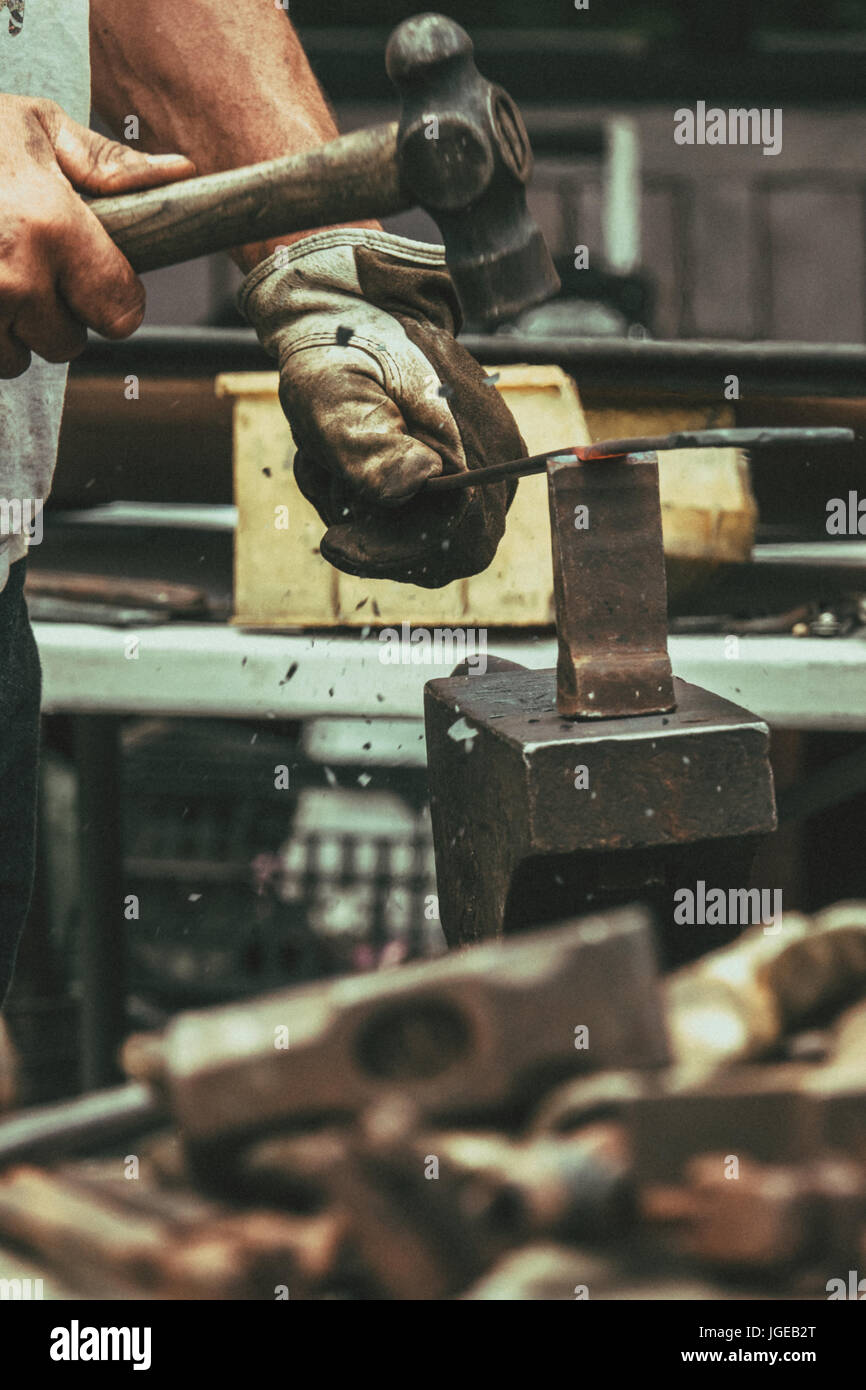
210,669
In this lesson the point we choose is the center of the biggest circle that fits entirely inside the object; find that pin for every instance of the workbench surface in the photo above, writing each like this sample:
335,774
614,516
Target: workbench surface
211,669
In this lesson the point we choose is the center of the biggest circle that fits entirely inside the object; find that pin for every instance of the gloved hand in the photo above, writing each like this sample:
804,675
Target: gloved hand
380,397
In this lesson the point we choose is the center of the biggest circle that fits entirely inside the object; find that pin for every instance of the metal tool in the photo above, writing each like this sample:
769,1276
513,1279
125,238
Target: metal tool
608,561
460,151
609,588
624,1170
114,1237
757,438
512,1190
771,1216
470,1034
80,1125
737,1005
544,1187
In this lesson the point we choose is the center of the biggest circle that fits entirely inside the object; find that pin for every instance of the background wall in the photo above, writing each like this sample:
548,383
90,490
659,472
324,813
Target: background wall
735,244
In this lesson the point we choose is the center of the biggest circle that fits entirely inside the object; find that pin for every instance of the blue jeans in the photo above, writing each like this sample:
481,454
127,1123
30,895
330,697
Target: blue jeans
20,695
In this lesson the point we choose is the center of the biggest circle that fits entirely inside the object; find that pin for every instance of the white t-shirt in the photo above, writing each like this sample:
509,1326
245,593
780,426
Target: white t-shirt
44,52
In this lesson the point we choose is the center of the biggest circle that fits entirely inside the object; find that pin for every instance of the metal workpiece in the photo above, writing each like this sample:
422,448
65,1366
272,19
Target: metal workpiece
535,816
609,588
470,1034
753,438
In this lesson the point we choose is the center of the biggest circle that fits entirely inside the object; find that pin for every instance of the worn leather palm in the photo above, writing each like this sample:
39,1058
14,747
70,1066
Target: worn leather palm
380,397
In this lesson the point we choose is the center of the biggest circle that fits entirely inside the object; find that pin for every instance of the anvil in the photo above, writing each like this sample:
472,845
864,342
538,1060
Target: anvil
606,781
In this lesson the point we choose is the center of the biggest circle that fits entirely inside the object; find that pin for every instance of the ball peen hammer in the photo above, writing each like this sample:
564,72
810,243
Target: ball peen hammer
460,151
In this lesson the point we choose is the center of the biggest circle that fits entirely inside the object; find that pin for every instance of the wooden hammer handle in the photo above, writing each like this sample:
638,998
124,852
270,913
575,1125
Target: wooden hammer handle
352,177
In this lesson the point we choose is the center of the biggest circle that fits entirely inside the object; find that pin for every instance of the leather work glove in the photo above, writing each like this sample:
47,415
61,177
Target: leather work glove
380,397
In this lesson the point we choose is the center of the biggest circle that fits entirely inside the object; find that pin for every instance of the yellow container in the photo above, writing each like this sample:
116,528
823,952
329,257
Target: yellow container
281,580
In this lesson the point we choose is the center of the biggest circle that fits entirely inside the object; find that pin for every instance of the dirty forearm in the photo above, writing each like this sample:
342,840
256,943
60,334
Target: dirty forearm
224,83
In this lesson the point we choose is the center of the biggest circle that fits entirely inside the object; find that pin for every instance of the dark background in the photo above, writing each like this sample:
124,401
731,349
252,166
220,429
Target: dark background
733,245
657,19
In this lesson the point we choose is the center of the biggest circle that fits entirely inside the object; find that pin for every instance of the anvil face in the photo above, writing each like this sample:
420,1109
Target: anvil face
512,780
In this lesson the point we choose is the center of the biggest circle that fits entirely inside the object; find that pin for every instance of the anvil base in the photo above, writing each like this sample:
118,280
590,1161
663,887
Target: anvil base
537,817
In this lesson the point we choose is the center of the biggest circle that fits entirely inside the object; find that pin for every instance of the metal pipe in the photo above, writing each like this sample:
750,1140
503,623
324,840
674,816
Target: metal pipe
613,365
102,924
80,1125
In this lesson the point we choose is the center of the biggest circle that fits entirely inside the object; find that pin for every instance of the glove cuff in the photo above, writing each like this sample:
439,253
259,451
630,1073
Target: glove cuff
415,253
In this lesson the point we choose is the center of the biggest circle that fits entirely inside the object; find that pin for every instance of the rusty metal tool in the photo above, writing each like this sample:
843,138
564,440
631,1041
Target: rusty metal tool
460,151
579,1188
79,1125
471,1034
127,1236
609,589
751,1112
727,1012
738,1004
766,1216
735,1006
422,1231
406,1237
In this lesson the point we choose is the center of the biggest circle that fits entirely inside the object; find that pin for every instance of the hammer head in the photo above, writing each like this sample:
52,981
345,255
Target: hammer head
465,157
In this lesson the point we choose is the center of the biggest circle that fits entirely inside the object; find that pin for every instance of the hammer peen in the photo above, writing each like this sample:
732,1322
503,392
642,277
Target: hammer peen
460,151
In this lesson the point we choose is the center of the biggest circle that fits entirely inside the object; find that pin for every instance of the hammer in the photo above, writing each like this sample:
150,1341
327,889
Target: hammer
460,151
471,1034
